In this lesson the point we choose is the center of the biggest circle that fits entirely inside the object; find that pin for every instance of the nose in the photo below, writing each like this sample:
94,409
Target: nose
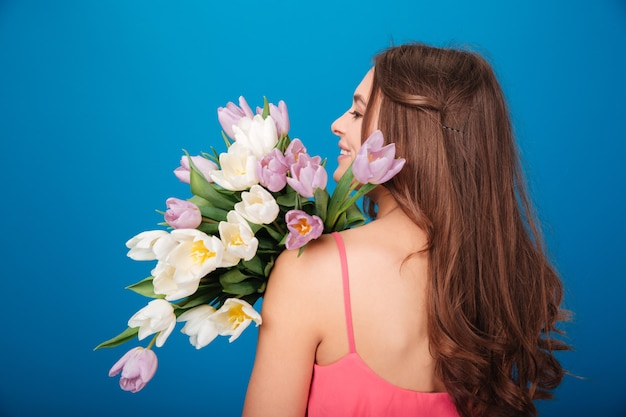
336,126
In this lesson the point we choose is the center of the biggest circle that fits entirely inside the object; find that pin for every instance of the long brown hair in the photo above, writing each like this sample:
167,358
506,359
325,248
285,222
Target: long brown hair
494,297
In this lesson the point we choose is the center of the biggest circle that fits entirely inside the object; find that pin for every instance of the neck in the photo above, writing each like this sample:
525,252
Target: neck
384,200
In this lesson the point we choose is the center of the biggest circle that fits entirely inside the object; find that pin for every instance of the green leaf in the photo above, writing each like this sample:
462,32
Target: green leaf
268,267
341,224
205,298
321,202
289,199
209,228
267,244
145,288
243,288
273,233
226,141
339,196
283,143
254,265
121,338
354,216
208,210
233,276
214,157
364,189
266,108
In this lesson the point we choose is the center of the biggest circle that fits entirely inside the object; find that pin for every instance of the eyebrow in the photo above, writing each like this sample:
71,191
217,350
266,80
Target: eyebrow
359,98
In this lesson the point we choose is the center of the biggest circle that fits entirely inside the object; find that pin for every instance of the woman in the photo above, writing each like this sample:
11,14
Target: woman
445,304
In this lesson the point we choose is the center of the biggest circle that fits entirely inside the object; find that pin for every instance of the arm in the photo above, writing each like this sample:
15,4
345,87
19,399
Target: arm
288,338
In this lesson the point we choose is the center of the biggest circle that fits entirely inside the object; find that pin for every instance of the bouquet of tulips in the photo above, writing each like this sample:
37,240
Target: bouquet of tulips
213,258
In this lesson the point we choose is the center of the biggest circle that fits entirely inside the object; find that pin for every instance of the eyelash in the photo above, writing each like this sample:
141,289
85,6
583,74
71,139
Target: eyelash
355,114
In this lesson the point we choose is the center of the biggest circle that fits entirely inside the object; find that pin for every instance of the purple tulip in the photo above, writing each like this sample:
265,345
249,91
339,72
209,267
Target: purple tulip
375,163
138,366
302,228
204,166
272,170
182,214
294,150
280,115
307,175
231,114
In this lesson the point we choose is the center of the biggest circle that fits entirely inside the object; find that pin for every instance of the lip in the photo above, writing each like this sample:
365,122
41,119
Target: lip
344,148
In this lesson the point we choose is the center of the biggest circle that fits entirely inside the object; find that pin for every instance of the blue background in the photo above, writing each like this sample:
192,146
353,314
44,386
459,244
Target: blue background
98,99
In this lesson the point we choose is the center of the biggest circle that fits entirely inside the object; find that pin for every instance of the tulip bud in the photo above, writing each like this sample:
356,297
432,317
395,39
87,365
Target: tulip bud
294,150
182,214
272,171
204,165
137,366
280,115
157,317
230,115
307,175
258,206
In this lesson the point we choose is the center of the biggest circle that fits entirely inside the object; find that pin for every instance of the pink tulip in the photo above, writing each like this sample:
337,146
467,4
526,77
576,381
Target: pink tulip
203,164
302,228
272,170
375,163
231,114
182,214
137,366
280,115
307,175
294,150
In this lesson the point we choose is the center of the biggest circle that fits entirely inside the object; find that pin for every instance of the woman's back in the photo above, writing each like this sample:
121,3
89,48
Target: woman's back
388,302
387,369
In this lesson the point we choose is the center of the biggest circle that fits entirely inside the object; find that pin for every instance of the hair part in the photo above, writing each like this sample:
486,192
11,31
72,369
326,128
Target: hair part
494,298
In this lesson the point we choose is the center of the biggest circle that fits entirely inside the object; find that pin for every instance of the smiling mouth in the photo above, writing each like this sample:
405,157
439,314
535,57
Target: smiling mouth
344,152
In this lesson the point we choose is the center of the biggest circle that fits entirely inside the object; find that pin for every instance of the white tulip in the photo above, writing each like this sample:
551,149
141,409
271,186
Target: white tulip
150,245
196,255
165,284
234,317
157,316
258,206
238,239
238,169
199,326
257,134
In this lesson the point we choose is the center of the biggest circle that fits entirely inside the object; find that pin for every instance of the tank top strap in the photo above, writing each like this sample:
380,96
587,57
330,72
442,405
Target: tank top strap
346,290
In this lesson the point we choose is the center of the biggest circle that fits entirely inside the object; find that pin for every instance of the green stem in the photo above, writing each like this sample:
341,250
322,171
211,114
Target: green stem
365,188
280,229
152,341
348,200
298,202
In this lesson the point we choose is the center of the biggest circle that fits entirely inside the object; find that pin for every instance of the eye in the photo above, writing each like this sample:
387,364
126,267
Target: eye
355,114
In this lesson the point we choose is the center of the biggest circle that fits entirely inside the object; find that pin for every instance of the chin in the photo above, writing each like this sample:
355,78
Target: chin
338,173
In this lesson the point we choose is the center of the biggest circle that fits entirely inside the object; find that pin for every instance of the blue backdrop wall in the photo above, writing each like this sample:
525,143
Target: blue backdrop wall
98,99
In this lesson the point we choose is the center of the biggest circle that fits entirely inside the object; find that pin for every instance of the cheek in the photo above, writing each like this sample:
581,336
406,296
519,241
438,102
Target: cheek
355,145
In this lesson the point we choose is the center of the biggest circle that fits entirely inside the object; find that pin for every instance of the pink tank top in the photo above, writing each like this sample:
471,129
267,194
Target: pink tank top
348,387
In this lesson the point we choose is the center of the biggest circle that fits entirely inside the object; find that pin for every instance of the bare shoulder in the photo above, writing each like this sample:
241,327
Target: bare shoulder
301,282
305,269
293,312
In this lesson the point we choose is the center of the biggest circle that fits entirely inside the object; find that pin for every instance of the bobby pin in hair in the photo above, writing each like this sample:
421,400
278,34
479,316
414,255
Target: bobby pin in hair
451,128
